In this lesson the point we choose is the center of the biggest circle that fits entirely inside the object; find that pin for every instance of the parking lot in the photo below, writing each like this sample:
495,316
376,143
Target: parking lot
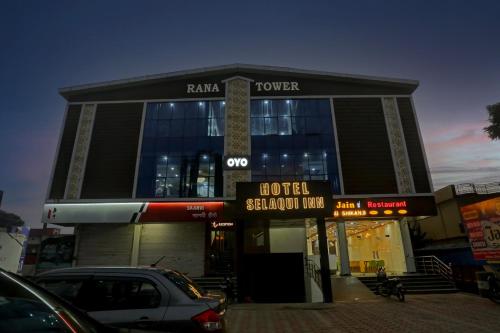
420,313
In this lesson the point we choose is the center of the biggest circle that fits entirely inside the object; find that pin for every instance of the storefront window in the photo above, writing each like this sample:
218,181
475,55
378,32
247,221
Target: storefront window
372,244
182,148
293,139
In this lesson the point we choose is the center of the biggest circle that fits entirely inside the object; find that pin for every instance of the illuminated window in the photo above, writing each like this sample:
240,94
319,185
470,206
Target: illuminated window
302,145
182,148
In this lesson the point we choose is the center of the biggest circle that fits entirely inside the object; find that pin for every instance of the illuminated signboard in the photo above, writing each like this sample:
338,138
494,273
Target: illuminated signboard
237,162
384,207
284,199
482,222
133,212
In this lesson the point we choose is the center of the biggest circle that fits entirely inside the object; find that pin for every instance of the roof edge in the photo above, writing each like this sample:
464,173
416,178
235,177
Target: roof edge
235,66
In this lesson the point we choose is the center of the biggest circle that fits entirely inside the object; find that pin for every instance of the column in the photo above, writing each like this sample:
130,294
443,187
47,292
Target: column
345,269
237,130
407,247
402,168
136,241
79,157
326,282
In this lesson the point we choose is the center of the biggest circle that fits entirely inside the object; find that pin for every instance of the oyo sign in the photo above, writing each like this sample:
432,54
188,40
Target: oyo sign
236,162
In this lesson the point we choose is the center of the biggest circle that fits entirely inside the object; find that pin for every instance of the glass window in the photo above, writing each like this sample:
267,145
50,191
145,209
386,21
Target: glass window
177,135
123,294
189,287
305,135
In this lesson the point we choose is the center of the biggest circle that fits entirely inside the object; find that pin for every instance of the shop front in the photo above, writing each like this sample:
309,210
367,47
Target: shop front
273,174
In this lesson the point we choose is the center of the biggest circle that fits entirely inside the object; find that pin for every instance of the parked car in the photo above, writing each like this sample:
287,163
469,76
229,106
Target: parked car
25,307
146,298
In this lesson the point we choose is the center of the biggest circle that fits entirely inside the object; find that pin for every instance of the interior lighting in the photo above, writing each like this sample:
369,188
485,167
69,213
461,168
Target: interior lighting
205,157
285,155
223,103
264,155
171,105
176,175
200,103
287,101
165,158
265,102
305,155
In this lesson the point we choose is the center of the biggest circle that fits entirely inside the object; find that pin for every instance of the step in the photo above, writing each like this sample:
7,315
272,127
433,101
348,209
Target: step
416,283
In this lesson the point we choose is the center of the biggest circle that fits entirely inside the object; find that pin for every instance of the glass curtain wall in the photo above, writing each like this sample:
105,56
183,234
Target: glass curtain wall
182,148
293,139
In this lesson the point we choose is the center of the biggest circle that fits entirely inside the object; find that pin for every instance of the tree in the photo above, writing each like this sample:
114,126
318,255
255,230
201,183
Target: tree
493,130
9,219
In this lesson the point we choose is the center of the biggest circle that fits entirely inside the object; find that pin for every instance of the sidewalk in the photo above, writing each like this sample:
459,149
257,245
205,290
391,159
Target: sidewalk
420,313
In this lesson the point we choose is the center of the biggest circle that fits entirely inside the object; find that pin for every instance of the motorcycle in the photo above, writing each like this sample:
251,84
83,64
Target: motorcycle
387,287
494,289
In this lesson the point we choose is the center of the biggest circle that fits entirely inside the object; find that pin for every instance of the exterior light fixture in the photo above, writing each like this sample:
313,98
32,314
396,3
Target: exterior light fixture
388,212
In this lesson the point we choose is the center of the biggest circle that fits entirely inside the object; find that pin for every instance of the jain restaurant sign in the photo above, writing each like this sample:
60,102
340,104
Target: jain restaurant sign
284,199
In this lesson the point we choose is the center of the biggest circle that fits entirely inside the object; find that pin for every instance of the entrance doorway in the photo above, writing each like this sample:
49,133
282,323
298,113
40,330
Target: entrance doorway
372,244
221,253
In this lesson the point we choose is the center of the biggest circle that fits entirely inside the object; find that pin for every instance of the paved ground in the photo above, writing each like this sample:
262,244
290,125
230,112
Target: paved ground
420,313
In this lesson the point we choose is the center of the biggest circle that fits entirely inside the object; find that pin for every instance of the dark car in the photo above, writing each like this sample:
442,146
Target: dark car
25,307
146,298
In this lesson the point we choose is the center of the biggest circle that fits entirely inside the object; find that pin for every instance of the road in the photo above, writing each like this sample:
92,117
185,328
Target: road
459,312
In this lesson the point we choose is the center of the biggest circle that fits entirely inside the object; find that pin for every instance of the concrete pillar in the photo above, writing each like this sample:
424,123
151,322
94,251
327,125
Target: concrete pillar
326,282
407,247
402,167
345,269
136,242
237,137
78,162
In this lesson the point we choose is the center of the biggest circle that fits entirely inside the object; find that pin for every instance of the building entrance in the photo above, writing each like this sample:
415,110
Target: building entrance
221,252
372,244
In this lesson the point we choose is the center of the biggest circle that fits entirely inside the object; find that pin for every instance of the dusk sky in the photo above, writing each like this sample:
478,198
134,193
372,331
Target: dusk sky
451,47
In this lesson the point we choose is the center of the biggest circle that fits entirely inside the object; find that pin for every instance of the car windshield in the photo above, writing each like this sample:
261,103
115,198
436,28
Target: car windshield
24,307
188,286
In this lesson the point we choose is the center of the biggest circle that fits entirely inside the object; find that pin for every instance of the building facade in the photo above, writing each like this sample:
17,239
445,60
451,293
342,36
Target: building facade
157,167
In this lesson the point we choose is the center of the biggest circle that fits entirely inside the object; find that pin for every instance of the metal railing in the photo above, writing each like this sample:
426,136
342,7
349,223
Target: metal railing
433,265
470,188
313,271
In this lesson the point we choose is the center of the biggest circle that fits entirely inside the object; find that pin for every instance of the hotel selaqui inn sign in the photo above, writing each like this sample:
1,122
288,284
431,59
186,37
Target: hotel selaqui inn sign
300,199
284,199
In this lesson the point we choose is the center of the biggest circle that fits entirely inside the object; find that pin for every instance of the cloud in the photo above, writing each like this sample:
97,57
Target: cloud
462,153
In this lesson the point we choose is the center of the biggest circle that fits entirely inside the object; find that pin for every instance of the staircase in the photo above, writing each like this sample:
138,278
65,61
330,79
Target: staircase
417,283
214,283
432,277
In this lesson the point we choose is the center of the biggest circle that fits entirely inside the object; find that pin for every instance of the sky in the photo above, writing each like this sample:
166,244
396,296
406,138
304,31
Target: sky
451,47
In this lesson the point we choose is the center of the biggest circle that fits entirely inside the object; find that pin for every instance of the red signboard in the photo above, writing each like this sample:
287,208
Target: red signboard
182,211
482,222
